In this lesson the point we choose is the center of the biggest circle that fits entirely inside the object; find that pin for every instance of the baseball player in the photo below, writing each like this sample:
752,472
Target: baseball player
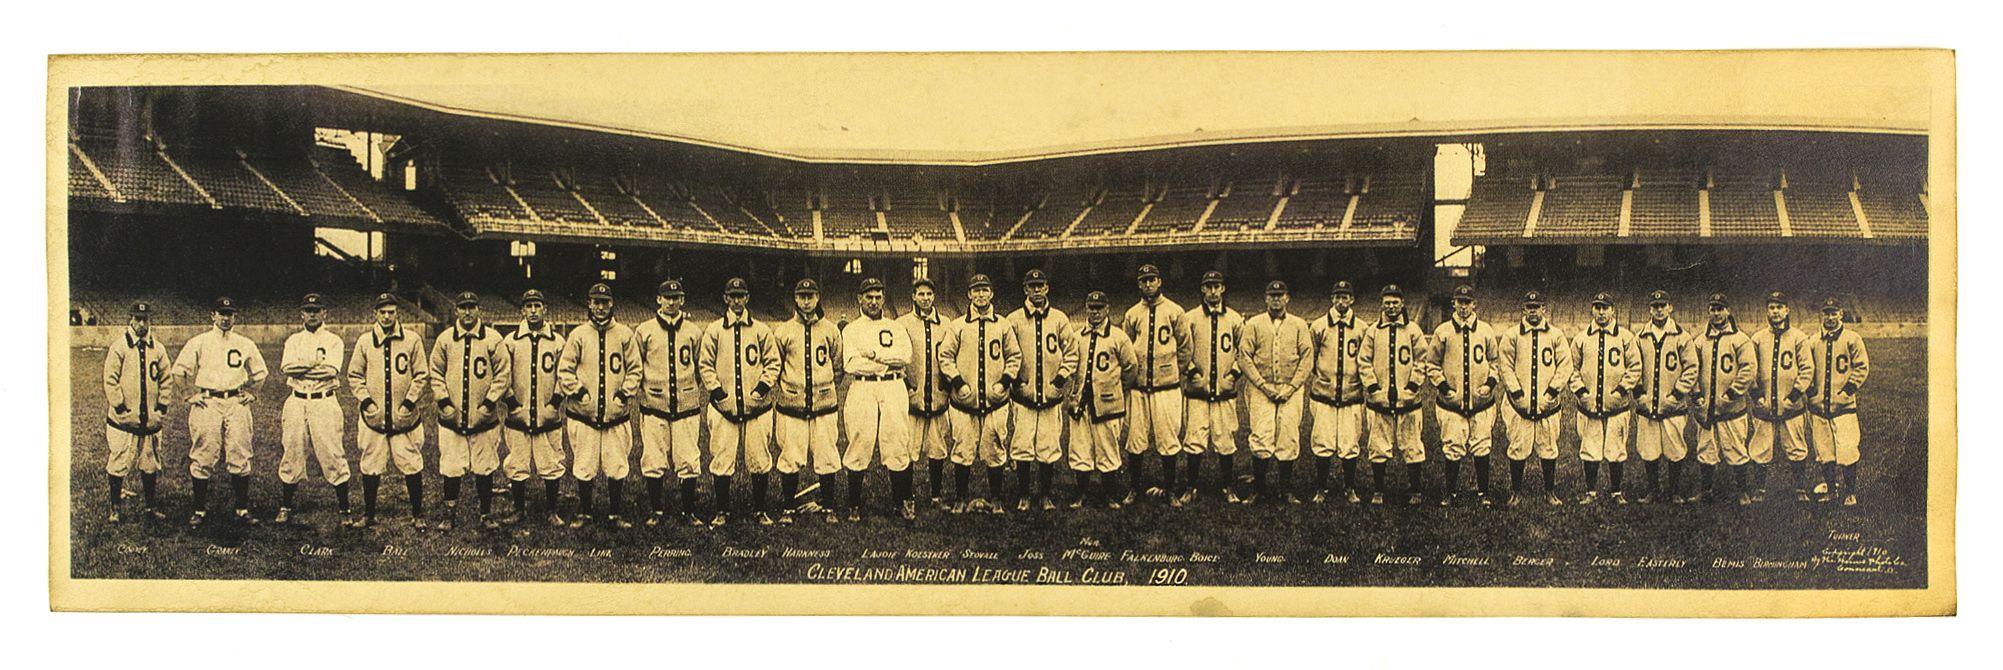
1047,365
739,363
389,377
312,416
1605,374
1335,393
671,402
135,399
1390,363
810,359
1668,375
599,374
1536,365
1275,352
1781,380
1841,365
927,331
980,360
469,376
1154,402
1606,369
1464,373
532,430
224,366
1097,404
875,352
1210,386
1725,362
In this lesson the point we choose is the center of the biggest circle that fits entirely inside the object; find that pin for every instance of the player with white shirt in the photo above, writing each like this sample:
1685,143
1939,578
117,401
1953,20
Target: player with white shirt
224,366
876,349
312,417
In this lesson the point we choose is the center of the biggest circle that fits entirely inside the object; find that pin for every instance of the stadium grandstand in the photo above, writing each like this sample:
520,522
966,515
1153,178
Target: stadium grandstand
269,192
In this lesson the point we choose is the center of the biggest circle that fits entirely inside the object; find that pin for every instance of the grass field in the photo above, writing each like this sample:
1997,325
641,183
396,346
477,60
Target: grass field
1878,544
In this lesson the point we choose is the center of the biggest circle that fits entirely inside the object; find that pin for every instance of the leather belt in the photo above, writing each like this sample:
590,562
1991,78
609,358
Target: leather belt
302,395
221,394
887,376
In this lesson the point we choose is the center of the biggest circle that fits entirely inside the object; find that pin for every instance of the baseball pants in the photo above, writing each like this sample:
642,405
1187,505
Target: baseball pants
1657,438
1792,434
808,441
1095,445
1337,431
928,436
1398,432
665,444
129,451
1462,436
1038,434
729,439
979,436
1276,428
1210,425
316,424
1726,438
480,452
378,450
220,431
1604,439
1154,421
595,451
1835,439
877,415
1527,436
540,454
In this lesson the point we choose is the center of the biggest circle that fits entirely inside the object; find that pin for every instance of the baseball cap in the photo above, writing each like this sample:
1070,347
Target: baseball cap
923,281
1718,300
1095,298
869,284
1658,297
467,299
1533,298
1276,287
532,296
1463,292
312,303
979,281
1148,272
1212,277
1034,276
1343,288
224,305
142,308
599,292
1831,305
671,288
737,286
382,299
806,286
1603,298
1392,291
1777,297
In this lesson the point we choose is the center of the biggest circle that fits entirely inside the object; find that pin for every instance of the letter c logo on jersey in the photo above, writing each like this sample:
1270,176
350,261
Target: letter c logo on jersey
1725,363
995,349
1480,354
617,363
884,338
1611,356
479,368
1787,360
1843,364
234,358
1163,334
154,371
1223,343
401,363
1670,361
549,361
1104,361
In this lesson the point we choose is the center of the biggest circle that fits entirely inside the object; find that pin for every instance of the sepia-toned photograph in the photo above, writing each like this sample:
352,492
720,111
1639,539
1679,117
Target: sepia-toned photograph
1593,333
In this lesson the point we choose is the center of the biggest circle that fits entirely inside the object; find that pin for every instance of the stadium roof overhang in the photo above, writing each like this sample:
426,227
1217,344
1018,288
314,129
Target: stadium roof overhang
987,109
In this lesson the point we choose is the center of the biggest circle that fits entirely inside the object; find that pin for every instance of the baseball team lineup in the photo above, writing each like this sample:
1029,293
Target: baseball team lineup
1023,387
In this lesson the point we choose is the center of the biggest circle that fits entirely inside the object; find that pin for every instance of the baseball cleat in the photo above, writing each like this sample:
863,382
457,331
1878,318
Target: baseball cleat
1251,498
618,522
959,507
720,520
654,518
1415,499
1679,499
1485,499
1552,499
1175,502
156,513
553,520
1589,497
1822,488
855,515
283,517
580,520
764,518
1759,496
829,517
1619,498
1112,504
1850,500
978,504
1021,504
1376,498
1187,497
1291,499
1320,497
1076,503
1047,504
1155,492
113,517
1515,499
691,520
1745,499
511,518
1231,496
785,517
1801,495
909,510
243,516
489,522
1352,497
348,520
367,522
447,523
417,524
1129,498
1447,500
